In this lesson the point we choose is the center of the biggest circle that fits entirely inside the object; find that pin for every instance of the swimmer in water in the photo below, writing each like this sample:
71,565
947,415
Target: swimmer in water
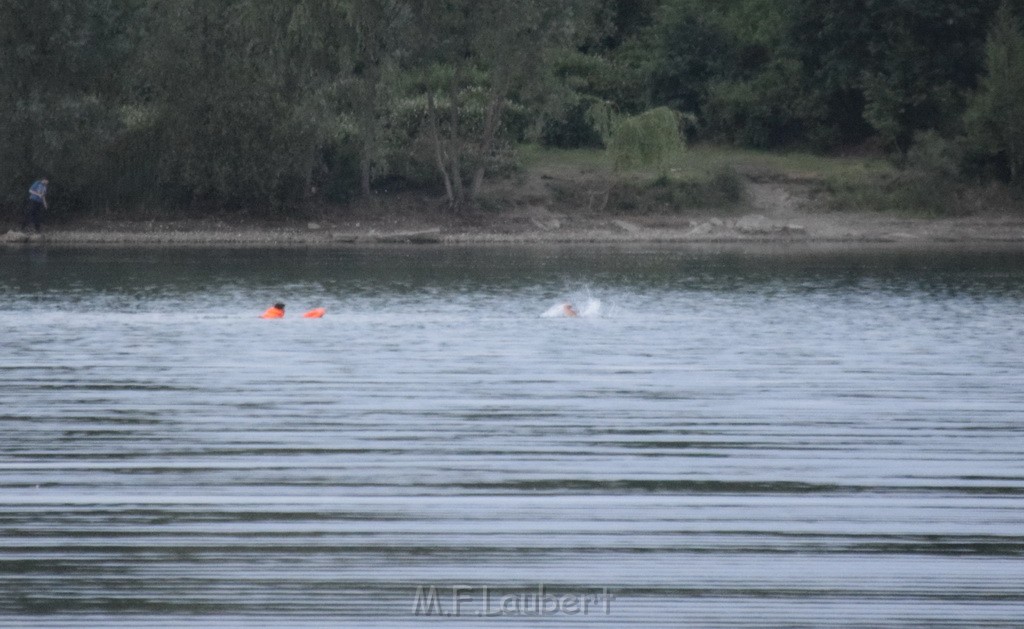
569,311
274,312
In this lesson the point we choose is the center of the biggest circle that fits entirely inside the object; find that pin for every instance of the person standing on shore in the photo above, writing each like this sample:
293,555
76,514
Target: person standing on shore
36,204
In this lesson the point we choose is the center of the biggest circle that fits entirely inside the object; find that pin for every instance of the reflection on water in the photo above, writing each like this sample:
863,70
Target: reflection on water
763,438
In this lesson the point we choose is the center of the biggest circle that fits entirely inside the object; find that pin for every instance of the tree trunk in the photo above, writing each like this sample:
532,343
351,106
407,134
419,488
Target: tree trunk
435,132
364,174
494,109
369,85
455,143
368,122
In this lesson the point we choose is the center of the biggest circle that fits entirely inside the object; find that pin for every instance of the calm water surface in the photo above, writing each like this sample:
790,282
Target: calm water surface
726,438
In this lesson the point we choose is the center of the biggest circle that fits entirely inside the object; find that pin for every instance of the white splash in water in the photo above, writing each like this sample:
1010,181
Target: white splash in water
589,308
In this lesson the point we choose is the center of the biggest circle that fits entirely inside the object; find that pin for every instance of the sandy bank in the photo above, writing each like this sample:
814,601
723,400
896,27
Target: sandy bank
539,227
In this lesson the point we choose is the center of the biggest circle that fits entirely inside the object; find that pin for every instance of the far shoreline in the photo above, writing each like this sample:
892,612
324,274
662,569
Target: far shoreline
1002,233
571,200
563,204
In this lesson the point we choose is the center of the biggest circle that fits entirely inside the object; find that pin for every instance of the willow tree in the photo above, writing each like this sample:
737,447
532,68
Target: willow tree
649,139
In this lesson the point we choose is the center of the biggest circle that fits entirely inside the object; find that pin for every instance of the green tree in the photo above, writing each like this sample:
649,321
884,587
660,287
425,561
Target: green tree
995,119
691,48
647,139
609,65
889,67
476,54
729,63
380,30
61,74
237,94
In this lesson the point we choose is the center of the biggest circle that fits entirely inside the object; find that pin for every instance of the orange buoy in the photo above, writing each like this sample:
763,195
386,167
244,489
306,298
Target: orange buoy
274,312
315,313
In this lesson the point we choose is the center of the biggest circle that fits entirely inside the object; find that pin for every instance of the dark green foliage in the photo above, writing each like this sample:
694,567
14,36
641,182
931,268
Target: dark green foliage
234,98
501,49
61,71
995,120
731,64
573,130
231,103
769,110
415,165
340,172
693,50
897,65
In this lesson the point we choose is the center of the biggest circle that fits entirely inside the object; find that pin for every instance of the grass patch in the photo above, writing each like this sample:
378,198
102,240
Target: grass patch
710,158
911,193
674,193
534,156
708,176
706,161
691,181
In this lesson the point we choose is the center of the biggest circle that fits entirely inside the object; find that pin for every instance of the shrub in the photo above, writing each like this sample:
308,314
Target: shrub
647,139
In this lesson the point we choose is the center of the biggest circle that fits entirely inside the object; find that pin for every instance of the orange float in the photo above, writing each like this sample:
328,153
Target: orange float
315,313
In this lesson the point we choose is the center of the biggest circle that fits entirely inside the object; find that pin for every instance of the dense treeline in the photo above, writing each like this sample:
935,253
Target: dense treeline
266,103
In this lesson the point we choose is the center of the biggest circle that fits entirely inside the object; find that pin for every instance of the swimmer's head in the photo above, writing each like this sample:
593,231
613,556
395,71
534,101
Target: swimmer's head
568,310
279,306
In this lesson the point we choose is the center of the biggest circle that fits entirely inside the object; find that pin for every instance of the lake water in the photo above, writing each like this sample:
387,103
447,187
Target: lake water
725,438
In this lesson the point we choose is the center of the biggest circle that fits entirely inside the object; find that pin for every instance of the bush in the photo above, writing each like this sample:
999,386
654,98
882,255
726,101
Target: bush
574,130
647,139
933,155
929,180
341,172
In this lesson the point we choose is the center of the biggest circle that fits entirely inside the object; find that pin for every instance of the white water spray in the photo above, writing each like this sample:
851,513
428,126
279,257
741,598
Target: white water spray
588,308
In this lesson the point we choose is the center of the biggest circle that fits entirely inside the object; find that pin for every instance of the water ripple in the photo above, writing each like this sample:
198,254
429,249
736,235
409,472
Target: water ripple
726,441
